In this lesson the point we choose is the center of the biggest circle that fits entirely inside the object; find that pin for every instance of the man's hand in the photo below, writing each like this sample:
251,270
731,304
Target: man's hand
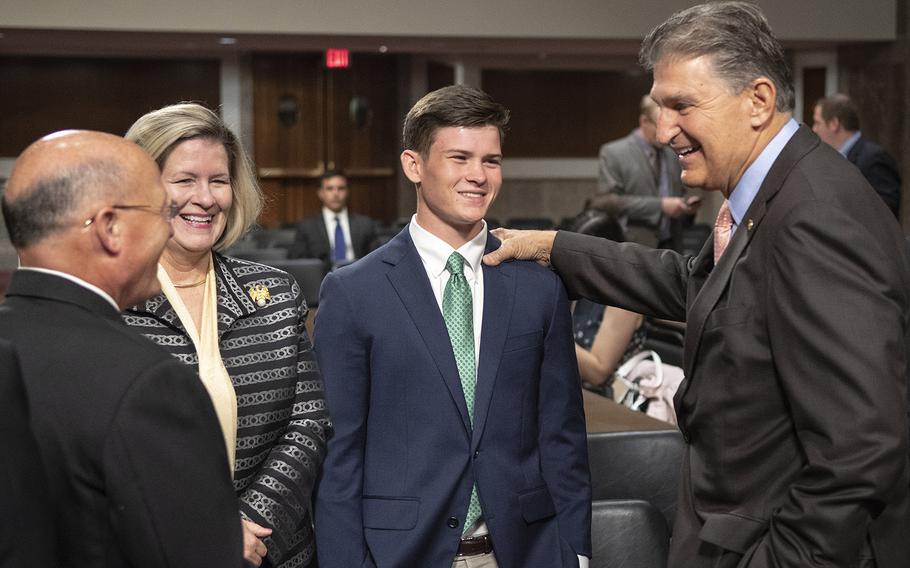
678,207
523,245
254,549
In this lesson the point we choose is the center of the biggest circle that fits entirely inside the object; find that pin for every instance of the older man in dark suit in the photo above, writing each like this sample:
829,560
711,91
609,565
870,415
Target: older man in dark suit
136,465
335,235
797,314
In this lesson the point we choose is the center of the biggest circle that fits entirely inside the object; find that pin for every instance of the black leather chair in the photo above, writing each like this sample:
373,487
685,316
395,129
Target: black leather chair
308,272
261,255
637,465
669,342
628,534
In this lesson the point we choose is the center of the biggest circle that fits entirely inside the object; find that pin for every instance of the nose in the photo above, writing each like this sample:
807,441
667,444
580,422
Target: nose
202,194
667,129
476,172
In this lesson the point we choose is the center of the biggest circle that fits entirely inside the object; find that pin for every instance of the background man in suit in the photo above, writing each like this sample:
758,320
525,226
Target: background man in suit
836,121
135,460
319,236
797,325
638,182
26,530
459,427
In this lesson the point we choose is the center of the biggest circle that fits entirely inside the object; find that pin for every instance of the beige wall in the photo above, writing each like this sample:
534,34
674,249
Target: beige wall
792,19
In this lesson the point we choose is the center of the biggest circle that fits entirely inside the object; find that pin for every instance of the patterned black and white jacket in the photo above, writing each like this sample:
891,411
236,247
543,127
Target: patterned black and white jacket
282,422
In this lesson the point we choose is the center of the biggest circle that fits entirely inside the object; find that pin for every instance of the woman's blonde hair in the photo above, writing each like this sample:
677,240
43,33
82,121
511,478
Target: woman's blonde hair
160,131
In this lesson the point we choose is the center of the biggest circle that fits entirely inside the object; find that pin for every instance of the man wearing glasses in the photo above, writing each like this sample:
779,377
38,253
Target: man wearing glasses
119,422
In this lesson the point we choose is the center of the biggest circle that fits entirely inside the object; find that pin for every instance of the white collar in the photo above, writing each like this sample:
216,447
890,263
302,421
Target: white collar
75,280
435,252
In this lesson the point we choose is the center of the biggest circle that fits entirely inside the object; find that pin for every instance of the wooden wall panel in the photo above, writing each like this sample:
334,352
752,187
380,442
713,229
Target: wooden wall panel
39,95
373,144
439,75
565,114
813,89
325,136
297,77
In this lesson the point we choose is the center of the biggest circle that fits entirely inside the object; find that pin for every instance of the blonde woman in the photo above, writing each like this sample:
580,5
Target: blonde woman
241,326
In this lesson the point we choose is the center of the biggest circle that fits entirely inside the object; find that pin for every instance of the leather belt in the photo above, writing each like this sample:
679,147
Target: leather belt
475,545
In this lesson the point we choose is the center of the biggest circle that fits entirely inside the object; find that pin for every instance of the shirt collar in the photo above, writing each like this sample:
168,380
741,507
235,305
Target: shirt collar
849,143
75,280
434,252
745,191
330,215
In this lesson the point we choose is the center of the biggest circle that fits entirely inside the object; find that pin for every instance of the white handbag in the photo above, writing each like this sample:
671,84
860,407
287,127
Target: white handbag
652,385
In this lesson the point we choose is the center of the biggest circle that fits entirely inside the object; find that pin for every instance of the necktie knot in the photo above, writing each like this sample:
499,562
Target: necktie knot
723,229
455,264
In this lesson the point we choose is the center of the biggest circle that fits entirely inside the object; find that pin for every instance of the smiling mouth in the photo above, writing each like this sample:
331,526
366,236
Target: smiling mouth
203,219
473,194
683,152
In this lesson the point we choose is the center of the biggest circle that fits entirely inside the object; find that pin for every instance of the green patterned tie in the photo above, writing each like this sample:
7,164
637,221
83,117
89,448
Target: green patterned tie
458,311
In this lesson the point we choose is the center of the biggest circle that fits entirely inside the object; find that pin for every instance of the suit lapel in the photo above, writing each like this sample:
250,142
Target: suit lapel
716,283
233,300
322,235
498,297
409,278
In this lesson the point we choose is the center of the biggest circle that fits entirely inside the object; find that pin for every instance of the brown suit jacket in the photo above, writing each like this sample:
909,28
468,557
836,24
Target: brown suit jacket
795,354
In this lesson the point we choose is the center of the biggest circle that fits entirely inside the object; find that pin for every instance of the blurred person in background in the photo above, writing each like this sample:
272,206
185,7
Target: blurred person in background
836,121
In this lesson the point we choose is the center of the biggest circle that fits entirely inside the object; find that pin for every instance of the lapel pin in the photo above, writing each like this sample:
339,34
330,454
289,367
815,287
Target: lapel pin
260,294
749,224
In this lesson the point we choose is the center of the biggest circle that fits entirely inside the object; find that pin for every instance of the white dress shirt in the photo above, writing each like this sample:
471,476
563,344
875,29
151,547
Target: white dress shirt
329,217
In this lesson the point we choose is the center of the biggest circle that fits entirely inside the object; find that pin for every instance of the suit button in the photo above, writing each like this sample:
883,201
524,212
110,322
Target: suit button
476,454
452,523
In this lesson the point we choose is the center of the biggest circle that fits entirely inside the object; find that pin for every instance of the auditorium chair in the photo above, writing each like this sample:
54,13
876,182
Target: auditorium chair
308,272
641,465
628,534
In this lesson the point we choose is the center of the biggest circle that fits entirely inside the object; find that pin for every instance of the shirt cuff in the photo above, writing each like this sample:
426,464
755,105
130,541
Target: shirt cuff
583,561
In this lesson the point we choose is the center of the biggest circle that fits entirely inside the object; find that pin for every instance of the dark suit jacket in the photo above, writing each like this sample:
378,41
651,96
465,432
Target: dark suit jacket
625,174
26,529
399,469
313,240
880,169
795,351
133,453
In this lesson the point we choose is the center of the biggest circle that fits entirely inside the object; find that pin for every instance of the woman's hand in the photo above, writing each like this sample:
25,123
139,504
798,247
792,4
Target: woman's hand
254,549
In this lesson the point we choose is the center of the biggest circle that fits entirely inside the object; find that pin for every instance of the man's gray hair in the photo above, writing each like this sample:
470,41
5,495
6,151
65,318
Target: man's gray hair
52,203
737,38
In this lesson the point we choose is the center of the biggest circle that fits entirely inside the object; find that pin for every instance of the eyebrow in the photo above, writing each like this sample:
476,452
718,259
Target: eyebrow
459,151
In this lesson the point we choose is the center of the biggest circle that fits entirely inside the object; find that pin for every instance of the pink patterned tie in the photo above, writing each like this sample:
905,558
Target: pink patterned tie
723,227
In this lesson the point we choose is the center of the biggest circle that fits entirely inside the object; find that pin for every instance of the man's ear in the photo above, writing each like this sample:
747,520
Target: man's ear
834,124
763,97
411,164
107,231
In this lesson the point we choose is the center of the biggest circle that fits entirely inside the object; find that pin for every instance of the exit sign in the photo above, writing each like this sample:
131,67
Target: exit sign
337,58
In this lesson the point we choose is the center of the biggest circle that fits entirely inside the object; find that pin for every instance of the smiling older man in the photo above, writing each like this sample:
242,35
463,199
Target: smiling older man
797,314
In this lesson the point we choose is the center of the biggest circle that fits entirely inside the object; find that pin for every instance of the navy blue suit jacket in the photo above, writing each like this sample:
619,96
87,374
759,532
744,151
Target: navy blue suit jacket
880,169
399,469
